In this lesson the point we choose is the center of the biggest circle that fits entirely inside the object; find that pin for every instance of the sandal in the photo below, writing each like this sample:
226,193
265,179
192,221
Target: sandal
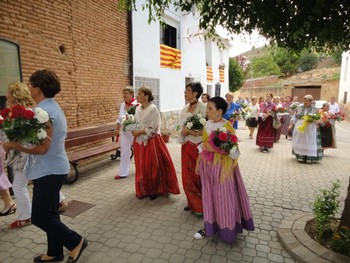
200,234
20,223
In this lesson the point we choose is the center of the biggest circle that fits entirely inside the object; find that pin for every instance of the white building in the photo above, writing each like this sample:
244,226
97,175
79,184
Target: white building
344,82
165,59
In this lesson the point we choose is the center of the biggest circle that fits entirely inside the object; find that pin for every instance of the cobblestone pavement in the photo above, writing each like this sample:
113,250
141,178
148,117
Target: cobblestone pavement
121,228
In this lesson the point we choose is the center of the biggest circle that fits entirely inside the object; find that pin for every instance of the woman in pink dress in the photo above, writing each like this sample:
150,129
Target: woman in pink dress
226,208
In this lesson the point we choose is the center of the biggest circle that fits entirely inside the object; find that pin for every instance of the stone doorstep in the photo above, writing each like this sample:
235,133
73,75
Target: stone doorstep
300,246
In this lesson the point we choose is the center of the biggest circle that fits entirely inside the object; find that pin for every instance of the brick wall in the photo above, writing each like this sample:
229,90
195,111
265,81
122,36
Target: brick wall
85,42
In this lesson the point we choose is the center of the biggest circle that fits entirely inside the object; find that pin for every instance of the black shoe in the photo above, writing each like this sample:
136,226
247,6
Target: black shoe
153,197
187,208
83,246
10,211
54,259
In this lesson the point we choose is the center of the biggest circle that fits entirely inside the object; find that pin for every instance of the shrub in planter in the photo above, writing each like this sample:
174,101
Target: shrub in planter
324,209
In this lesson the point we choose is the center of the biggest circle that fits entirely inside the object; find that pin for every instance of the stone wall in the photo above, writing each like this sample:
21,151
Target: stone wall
85,42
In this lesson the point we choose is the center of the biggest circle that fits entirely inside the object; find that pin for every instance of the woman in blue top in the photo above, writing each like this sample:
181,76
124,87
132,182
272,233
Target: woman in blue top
232,107
48,167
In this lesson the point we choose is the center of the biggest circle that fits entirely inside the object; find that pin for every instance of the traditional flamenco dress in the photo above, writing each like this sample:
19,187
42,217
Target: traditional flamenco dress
226,208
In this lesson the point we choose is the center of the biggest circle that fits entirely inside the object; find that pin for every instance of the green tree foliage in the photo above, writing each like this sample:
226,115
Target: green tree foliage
264,66
297,24
235,75
287,60
307,61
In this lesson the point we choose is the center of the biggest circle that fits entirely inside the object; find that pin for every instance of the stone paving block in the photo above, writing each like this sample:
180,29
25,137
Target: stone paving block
260,260
303,254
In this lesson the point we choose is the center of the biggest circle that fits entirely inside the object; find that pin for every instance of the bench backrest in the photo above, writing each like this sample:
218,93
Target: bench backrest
91,134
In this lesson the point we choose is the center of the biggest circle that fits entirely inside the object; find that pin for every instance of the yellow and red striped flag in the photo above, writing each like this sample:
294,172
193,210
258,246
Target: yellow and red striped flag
170,57
222,74
210,74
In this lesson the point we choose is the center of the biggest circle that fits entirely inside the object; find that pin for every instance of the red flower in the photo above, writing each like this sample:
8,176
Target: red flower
28,114
5,112
233,138
223,136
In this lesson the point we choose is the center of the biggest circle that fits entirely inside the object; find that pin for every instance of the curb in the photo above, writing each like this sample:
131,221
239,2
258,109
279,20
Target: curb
301,246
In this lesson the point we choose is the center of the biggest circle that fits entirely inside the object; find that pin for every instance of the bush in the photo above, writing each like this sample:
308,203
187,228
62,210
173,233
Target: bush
324,208
341,241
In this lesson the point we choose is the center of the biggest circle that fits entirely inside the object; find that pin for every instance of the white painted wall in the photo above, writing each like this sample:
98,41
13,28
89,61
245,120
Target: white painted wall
146,56
344,82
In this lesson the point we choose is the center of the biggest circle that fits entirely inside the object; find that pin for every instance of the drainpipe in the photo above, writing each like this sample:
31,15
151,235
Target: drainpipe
131,58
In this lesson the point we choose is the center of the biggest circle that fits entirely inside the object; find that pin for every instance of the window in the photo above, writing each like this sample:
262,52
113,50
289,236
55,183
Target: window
10,67
168,35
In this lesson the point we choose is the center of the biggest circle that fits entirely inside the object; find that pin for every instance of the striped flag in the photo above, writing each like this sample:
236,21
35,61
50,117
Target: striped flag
170,57
222,74
210,74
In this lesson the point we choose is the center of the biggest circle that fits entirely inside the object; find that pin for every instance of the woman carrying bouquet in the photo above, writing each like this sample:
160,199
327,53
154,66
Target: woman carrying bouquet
155,172
18,94
285,120
226,208
306,138
190,139
266,133
48,167
326,127
252,120
232,108
126,138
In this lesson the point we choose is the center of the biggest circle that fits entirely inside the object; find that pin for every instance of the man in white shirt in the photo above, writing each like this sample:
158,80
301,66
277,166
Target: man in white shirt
333,107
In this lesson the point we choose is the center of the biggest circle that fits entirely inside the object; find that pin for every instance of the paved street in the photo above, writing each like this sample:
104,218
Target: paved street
121,228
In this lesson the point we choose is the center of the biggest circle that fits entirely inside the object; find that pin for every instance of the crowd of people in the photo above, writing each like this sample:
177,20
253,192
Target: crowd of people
211,177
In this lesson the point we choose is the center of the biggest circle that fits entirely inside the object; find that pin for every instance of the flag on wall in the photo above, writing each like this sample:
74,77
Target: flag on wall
170,57
209,74
222,74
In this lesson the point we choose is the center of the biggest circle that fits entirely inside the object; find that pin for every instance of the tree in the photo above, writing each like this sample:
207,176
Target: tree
264,66
307,61
235,75
297,24
287,60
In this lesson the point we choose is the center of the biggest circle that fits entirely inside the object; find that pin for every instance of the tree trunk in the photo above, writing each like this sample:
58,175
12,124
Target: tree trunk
345,217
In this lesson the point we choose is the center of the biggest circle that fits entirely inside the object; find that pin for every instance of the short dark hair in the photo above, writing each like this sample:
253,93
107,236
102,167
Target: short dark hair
47,81
207,95
146,92
220,103
196,87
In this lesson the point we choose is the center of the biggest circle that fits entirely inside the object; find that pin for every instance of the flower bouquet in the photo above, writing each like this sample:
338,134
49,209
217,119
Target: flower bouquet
235,115
328,118
195,122
24,125
132,109
225,142
294,106
337,116
307,120
129,123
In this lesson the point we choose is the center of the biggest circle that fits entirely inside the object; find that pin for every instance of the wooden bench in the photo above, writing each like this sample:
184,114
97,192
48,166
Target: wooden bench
89,142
